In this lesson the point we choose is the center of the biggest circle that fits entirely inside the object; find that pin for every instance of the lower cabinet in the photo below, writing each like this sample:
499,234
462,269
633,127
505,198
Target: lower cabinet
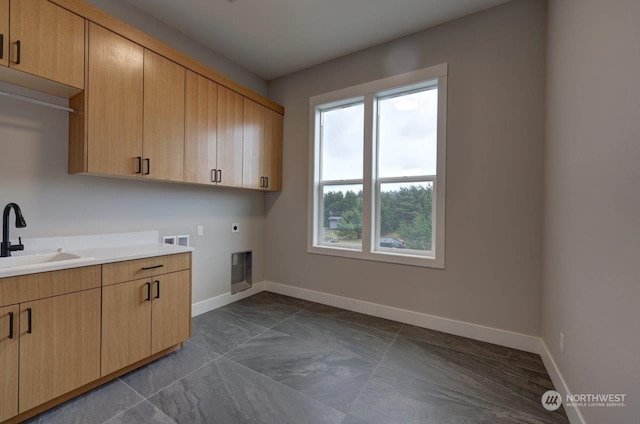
59,346
9,352
61,330
48,347
143,317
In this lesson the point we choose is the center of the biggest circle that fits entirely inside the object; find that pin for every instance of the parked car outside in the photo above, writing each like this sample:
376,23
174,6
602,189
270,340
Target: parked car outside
391,242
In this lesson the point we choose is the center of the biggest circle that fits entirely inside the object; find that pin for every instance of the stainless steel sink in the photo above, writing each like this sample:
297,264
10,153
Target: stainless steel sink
38,261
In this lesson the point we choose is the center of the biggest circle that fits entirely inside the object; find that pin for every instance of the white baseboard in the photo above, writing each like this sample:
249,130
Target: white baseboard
460,328
224,299
573,412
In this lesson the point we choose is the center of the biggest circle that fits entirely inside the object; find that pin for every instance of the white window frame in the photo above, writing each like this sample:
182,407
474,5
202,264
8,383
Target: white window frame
368,93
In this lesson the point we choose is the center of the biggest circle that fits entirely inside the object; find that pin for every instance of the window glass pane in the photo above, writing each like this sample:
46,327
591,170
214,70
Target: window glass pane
342,216
342,143
407,134
406,220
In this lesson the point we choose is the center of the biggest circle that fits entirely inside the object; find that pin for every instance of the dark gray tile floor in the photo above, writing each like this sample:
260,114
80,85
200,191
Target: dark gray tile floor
275,359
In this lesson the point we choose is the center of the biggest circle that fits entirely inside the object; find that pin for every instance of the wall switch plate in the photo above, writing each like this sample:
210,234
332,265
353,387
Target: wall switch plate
199,230
235,227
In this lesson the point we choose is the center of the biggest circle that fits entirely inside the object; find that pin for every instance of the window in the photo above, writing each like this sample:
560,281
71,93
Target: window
378,170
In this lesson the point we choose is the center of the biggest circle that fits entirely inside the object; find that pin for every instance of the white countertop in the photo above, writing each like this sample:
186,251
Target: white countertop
93,250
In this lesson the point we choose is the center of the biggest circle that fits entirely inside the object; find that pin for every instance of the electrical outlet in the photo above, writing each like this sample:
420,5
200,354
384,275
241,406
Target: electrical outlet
561,342
235,227
200,231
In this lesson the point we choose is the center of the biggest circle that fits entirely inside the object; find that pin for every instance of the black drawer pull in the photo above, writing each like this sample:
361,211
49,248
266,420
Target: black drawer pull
147,268
17,52
148,166
158,289
29,320
148,299
11,325
1,46
139,171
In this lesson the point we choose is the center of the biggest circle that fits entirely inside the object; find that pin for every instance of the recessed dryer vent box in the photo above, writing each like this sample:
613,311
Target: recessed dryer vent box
240,271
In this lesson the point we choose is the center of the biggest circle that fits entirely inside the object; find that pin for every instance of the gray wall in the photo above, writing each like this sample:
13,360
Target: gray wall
592,200
33,171
494,173
130,14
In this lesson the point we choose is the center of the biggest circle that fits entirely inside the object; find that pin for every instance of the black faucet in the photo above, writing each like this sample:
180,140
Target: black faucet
7,248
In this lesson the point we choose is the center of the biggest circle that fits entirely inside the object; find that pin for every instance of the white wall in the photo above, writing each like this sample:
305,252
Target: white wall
130,14
494,173
591,289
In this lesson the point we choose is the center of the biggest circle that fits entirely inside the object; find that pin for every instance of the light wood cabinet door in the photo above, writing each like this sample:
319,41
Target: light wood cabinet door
201,130
253,145
4,33
230,134
272,156
47,41
126,324
114,104
262,156
163,142
171,310
9,336
59,346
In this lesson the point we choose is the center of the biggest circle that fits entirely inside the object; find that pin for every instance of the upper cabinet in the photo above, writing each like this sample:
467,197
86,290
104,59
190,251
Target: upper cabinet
201,130
230,137
163,140
106,136
44,40
262,158
141,109
4,34
272,157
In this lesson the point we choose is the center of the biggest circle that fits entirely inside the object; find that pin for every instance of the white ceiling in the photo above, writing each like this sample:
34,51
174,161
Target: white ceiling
272,38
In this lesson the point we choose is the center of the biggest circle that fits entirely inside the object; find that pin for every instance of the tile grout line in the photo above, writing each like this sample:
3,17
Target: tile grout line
264,331
546,421
475,355
287,387
135,405
180,379
373,372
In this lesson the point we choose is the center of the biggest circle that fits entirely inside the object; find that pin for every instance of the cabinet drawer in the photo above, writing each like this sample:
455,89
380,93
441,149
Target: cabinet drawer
25,288
119,272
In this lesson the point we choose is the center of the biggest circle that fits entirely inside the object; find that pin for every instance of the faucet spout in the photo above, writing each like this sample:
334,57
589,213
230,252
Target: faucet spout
6,247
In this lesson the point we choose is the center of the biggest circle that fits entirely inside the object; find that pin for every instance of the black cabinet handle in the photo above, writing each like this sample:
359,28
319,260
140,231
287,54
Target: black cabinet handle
158,289
17,52
1,46
214,173
148,299
266,184
219,175
148,166
147,268
29,316
11,325
139,171
261,182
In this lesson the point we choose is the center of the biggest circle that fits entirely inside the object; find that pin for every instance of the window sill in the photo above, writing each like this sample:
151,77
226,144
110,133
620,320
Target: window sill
388,257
